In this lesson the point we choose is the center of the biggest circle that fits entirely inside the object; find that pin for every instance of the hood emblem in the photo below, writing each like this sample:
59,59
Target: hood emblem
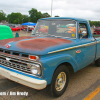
7,45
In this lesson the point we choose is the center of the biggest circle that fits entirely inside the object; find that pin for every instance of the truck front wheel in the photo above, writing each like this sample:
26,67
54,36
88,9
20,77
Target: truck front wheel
59,81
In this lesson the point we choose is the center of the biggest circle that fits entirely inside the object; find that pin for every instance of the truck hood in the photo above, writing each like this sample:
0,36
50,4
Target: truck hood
36,45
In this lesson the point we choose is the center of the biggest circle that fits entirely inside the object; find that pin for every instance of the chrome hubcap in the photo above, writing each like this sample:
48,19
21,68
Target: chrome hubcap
60,81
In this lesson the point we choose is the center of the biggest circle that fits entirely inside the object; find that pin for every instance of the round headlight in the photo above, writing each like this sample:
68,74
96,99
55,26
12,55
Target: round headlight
35,69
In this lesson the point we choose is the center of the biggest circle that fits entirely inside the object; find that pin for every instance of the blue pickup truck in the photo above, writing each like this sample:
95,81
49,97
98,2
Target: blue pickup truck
50,54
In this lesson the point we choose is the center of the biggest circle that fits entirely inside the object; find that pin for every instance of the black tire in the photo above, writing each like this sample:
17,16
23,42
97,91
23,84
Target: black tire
56,81
97,62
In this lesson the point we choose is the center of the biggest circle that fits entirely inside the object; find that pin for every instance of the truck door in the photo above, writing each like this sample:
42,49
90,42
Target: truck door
87,45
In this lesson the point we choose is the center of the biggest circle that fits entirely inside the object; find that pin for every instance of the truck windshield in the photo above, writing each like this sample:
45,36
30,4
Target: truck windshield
61,28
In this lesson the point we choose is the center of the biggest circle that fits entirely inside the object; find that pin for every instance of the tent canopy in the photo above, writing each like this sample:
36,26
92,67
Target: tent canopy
29,23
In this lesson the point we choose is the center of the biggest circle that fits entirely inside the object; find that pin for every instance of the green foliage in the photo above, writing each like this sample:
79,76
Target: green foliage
25,18
14,18
95,23
18,18
45,15
56,16
34,15
2,15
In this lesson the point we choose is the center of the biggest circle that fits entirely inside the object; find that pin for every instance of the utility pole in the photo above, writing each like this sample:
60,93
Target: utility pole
51,7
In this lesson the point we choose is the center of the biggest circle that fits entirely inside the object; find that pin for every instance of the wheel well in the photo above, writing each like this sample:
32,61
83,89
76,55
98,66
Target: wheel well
69,66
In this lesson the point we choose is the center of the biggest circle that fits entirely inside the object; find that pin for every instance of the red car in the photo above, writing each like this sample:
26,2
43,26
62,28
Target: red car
30,28
15,28
96,31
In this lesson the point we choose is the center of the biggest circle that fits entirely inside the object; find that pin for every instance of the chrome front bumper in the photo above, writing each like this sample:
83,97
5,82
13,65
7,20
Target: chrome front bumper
25,80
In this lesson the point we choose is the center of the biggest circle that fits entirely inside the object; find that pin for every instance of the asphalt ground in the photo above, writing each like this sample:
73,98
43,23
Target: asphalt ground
22,33
83,85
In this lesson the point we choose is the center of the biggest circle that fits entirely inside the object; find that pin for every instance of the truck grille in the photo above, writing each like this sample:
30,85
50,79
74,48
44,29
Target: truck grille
18,63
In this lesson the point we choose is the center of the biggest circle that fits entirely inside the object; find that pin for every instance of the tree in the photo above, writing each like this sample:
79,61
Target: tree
25,18
15,18
95,23
34,15
56,16
2,15
44,15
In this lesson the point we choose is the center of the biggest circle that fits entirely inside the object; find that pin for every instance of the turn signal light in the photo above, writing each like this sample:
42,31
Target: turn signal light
33,57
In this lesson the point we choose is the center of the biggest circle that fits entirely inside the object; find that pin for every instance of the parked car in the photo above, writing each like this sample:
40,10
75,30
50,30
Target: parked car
96,31
15,28
42,60
29,28
5,32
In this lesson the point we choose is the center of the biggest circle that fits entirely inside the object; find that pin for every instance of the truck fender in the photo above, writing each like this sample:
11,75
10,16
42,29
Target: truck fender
50,64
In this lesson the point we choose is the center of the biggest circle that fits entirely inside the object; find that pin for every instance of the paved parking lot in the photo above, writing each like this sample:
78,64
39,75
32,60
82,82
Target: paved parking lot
82,85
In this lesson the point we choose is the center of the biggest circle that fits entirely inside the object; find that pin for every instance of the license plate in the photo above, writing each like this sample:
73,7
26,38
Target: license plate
5,74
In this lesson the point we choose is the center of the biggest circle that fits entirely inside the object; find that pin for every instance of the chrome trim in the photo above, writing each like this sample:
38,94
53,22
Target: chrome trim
17,70
17,57
22,72
28,65
20,66
88,44
8,59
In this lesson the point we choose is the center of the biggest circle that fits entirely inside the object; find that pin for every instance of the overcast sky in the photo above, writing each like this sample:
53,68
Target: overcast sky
87,9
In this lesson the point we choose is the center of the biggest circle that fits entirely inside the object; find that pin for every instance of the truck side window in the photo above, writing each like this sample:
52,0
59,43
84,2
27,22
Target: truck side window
83,32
